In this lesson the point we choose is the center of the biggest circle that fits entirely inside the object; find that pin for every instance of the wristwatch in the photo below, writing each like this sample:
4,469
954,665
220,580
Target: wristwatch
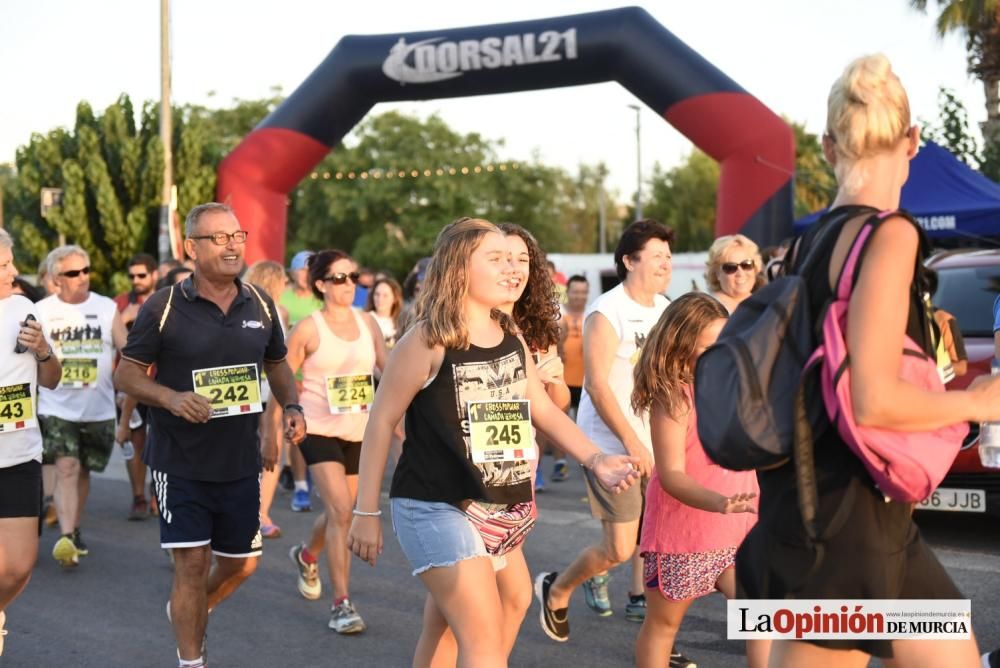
294,407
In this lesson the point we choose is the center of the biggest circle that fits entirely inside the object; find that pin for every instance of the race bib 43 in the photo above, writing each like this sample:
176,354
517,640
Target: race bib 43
232,390
17,410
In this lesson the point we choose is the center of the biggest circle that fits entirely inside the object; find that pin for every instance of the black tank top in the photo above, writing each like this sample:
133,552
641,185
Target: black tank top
835,464
436,464
824,236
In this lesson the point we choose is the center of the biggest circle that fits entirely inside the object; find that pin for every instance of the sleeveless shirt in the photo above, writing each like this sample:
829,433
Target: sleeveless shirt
436,463
335,357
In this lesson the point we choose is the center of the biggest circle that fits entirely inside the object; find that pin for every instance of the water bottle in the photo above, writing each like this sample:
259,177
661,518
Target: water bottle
128,450
989,434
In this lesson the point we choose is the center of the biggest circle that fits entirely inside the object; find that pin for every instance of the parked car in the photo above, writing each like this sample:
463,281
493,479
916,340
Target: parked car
968,284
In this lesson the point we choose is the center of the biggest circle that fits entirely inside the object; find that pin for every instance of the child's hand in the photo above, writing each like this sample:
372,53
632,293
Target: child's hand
739,503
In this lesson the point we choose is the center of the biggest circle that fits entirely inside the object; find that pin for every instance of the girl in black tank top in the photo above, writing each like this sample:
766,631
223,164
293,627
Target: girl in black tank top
869,548
460,349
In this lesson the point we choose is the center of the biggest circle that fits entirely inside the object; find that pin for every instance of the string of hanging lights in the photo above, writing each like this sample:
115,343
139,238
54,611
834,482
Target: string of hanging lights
379,173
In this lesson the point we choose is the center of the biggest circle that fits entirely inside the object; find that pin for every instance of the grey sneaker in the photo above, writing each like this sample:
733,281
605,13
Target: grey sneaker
595,592
309,583
345,619
635,609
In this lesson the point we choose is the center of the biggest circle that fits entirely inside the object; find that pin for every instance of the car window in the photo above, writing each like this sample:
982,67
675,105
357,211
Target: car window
968,294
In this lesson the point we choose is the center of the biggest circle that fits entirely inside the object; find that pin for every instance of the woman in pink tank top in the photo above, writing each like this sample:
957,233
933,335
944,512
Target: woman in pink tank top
697,513
340,350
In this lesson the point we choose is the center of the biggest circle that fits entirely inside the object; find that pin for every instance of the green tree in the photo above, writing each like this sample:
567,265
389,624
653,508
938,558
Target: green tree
385,196
109,176
110,170
580,200
815,184
684,199
951,129
976,21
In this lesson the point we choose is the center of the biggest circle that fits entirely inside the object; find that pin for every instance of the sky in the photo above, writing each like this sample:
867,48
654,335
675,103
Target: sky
785,52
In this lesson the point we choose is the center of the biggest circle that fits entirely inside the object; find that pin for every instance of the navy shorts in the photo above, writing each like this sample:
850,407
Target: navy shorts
225,515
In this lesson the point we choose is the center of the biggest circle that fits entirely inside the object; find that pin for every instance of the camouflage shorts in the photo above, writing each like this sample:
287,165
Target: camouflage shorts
90,442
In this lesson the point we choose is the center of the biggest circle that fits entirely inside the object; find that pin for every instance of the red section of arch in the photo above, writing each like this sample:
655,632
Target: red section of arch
255,180
755,150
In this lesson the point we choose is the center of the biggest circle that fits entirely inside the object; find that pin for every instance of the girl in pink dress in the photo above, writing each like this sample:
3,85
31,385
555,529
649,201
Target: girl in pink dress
697,513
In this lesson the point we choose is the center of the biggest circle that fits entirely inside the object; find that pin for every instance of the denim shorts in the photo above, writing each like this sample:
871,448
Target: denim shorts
434,534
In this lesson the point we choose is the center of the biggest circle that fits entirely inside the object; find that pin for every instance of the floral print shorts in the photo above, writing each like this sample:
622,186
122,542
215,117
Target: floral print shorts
680,577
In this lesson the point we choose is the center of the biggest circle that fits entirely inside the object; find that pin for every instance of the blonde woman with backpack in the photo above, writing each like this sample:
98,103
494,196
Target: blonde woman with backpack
871,547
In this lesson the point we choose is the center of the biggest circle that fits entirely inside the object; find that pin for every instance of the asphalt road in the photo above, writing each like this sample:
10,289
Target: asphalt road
109,611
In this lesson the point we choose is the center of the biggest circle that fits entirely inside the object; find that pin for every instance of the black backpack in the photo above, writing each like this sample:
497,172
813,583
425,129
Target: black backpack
748,388
757,405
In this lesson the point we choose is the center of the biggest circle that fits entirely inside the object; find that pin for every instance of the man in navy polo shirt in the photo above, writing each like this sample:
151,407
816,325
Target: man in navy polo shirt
210,337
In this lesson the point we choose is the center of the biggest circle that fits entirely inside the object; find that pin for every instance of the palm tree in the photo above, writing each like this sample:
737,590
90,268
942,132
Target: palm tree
979,22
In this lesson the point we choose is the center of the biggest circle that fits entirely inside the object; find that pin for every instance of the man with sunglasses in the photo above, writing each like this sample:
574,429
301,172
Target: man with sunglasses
211,337
78,416
143,275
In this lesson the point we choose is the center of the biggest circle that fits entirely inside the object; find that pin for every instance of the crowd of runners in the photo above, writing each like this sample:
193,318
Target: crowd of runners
226,381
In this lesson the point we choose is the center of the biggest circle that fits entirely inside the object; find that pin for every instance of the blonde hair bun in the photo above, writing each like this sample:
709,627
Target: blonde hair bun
867,110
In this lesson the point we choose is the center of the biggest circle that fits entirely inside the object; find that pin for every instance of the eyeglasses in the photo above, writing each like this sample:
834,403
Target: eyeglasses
341,278
222,238
731,267
133,277
73,273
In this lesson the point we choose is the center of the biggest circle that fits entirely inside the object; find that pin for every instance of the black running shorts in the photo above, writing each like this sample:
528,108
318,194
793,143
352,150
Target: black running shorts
318,449
21,490
225,515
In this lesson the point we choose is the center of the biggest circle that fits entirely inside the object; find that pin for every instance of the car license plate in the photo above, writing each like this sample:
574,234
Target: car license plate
955,500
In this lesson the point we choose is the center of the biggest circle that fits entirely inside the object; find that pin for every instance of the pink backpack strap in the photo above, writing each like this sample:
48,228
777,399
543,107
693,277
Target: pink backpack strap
846,283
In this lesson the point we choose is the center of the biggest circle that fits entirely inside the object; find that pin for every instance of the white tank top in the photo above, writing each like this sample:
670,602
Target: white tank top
631,322
81,338
335,357
20,437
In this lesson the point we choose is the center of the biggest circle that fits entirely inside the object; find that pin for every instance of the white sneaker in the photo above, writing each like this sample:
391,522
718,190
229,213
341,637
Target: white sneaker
309,583
3,631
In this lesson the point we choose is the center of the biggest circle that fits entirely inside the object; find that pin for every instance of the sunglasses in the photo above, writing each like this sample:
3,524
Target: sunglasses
341,278
137,276
222,238
731,267
73,273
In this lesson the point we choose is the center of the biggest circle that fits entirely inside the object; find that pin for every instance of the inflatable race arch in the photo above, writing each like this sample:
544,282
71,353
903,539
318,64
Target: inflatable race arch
754,147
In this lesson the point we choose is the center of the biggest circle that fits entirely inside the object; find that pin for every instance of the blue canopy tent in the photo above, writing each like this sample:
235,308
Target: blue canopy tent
950,200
